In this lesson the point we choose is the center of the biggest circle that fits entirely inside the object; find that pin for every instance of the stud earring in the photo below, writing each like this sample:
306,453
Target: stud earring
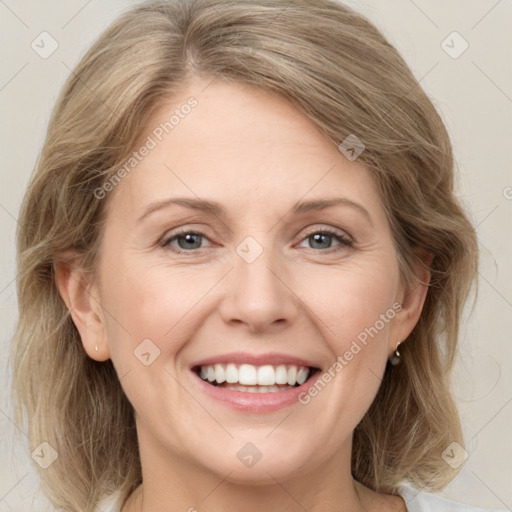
96,348
396,358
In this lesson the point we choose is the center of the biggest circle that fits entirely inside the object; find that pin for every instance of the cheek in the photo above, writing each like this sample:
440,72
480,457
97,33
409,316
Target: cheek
147,324
152,302
353,303
356,312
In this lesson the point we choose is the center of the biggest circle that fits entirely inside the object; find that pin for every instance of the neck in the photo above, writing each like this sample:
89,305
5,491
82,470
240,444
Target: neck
177,485
142,501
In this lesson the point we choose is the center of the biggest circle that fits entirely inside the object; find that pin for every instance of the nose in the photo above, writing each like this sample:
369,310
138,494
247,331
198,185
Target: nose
258,295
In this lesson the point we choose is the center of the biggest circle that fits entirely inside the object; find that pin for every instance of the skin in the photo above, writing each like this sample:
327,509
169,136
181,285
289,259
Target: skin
256,155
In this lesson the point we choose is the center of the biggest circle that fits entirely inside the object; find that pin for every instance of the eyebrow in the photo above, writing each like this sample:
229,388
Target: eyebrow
218,210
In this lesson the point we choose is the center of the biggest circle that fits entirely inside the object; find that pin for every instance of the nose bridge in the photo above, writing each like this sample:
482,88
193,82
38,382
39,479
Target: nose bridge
257,295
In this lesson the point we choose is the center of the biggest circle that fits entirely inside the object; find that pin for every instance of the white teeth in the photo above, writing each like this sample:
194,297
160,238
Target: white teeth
255,379
281,374
247,375
231,373
256,389
302,375
266,375
220,374
292,375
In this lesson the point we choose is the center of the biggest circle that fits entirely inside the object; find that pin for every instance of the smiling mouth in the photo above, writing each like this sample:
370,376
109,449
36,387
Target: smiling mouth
249,378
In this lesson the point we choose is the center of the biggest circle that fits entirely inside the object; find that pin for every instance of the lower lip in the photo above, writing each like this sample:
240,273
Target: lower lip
256,402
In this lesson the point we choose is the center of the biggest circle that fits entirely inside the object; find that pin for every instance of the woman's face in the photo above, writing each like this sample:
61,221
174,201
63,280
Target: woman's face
265,285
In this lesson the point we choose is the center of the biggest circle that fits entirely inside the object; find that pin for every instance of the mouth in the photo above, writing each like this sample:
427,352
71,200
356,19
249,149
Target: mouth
248,378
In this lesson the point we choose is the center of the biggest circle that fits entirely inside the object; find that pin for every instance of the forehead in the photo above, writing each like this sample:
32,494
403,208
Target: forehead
241,145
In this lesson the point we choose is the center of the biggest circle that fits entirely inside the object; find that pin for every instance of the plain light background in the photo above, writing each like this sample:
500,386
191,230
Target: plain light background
473,91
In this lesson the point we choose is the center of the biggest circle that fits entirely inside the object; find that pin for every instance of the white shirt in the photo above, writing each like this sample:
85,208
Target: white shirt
424,502
416,501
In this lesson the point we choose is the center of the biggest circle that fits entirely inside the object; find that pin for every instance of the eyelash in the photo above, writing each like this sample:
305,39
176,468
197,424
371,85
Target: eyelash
345,242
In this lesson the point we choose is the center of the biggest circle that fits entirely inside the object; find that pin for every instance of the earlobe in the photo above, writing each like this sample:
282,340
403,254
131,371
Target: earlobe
79,293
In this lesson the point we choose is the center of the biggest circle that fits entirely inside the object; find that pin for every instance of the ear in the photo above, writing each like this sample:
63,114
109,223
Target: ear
80,294
411,297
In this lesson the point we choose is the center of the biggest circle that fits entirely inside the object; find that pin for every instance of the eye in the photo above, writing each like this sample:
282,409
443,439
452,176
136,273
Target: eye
187,241
322,239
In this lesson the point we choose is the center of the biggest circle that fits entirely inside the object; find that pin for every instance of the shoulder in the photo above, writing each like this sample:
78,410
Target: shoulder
417,501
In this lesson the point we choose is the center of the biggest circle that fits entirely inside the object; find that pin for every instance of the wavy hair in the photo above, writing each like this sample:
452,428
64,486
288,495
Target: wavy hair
338,69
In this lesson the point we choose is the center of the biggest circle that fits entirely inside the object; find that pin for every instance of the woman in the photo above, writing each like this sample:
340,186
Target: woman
242,269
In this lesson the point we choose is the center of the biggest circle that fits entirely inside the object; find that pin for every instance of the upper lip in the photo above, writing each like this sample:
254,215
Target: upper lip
274,358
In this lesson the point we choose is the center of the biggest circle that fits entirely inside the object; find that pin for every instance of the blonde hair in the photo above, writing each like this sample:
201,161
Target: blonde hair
339,70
